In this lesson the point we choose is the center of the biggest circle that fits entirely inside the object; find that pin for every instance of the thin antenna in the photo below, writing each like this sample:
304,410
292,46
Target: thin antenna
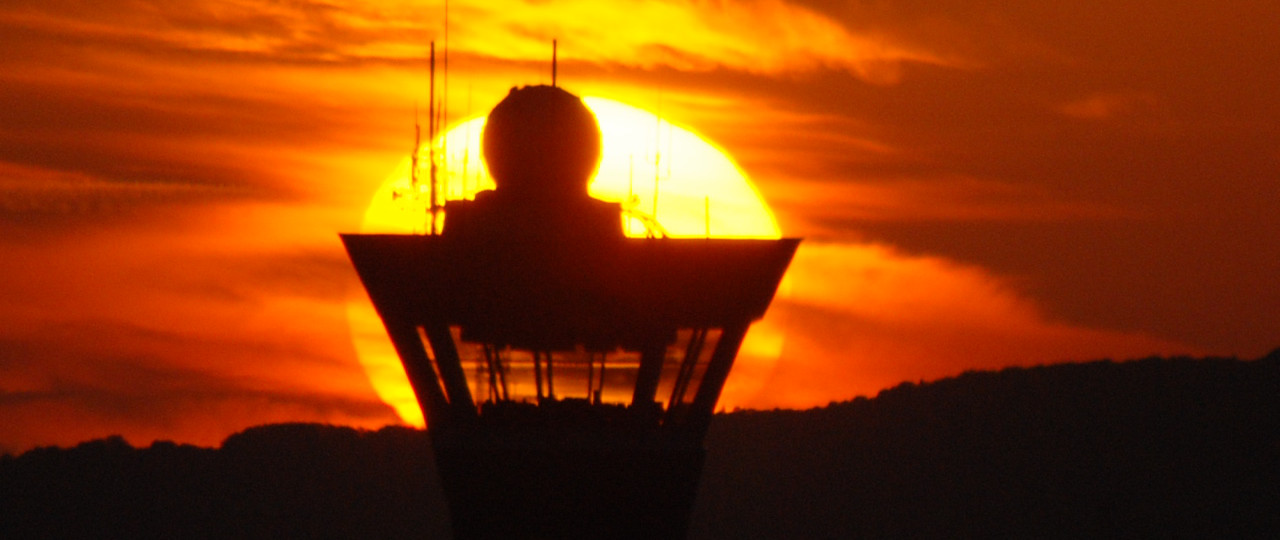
706,212
670,153
553,62
444,113
431,138
657,161
443,175
446,47
417,143
631,186
413,163
466,146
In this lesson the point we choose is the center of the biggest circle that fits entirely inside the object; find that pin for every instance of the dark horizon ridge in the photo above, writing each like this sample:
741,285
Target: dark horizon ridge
1150,447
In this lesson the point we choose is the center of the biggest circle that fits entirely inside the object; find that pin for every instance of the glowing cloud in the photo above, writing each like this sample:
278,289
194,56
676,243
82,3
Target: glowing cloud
861,318
763,36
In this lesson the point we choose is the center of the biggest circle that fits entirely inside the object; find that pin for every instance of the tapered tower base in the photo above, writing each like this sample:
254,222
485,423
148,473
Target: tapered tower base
571,476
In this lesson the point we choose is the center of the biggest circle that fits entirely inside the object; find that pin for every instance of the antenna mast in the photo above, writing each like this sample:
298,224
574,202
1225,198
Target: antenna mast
444,112
631,188
466,146
417,143
413,156
706,212
431,138
553,63
657,160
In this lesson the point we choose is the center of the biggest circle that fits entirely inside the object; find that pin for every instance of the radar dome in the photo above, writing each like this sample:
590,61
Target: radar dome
543,141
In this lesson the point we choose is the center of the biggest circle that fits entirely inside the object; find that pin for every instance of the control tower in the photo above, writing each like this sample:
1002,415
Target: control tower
567,373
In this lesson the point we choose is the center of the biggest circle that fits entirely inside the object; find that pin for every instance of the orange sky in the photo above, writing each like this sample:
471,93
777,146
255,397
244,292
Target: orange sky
980,185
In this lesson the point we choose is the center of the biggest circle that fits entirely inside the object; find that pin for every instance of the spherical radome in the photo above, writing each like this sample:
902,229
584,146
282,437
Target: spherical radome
542,140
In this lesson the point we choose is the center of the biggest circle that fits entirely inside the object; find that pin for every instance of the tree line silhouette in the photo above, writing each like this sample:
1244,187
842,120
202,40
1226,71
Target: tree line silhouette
1175,447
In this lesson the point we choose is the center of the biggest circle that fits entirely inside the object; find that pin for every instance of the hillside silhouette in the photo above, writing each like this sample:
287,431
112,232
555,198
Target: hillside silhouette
1174,447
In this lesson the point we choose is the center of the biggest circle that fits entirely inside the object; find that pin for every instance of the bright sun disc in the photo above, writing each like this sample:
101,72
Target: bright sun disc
697,188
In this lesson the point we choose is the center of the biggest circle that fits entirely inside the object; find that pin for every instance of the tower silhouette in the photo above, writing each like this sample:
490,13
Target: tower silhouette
567,373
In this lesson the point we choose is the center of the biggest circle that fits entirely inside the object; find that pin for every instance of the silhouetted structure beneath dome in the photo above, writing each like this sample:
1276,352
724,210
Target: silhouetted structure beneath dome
542,146
567,373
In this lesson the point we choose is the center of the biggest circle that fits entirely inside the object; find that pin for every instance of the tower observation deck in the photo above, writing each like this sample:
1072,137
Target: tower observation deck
567,373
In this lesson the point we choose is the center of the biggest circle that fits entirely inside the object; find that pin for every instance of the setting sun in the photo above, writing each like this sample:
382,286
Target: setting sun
1026,214
699,190
670,181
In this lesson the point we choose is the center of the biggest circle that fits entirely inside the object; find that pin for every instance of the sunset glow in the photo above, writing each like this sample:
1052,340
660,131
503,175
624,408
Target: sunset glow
977,186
